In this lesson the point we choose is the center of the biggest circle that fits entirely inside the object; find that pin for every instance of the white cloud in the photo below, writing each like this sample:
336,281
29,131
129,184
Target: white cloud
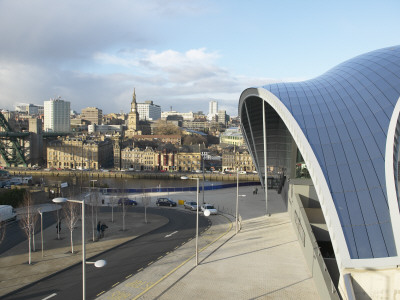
93,53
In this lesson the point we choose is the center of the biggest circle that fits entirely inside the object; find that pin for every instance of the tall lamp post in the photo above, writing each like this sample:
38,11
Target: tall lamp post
237,201
197,217
41,227
98,264
91,203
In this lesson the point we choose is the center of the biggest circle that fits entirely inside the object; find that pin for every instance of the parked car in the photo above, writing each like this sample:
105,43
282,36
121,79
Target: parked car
190,205
165,202
211,208
127,201
7,213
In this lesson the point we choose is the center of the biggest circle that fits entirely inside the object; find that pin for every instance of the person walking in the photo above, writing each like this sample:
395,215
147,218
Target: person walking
98,230
103,228
58,227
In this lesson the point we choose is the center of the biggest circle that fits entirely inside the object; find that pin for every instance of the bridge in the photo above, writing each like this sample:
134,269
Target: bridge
15,147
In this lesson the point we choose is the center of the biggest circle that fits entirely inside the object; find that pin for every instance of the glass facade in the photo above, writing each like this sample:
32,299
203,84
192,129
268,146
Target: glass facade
345,115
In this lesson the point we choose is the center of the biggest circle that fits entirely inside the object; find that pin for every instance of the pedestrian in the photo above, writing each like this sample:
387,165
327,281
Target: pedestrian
103,228
58,227
256,191
98,230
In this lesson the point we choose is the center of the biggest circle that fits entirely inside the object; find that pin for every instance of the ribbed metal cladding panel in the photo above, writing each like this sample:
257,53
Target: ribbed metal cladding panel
345,114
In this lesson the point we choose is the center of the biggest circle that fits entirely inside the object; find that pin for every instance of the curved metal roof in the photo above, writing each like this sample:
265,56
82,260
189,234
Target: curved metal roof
345,116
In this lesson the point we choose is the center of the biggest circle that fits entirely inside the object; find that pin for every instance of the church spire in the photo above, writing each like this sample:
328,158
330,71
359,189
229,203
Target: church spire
134,96
133,103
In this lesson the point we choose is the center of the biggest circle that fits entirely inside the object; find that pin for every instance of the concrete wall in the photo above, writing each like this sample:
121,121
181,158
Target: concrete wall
374,284
314,259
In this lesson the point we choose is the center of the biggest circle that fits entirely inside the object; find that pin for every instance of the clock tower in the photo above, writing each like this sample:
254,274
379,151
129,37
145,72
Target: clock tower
133,118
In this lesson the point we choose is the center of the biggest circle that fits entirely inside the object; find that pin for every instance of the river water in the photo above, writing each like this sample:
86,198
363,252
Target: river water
119,183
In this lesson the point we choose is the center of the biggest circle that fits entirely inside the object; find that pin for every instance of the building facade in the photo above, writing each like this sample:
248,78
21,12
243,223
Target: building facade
186,161
57,115
186,116
232,136
212,108
80,154
139,160
149,111
93,115
239,159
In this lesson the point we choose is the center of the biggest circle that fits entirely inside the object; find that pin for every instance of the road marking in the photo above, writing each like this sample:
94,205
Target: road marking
51,296
128,276
176,268
169,235
139,284
100,293
176,247
160,257
140,270
115,284
150,263
167,253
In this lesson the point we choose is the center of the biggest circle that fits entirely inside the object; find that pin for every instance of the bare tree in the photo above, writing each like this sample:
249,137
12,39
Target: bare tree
71,212
26,222
145,201
165,128
3,226
113,200
34,218
123,205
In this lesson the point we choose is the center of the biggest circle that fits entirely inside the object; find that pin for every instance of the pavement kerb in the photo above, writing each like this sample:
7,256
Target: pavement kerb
180,265
79,261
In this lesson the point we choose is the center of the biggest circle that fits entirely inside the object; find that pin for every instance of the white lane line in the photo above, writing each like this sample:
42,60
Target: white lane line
51,296
169,235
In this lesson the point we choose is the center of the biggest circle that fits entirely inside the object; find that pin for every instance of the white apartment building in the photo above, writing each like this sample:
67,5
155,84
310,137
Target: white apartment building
30,109
148,111
212,110
57,115
186,116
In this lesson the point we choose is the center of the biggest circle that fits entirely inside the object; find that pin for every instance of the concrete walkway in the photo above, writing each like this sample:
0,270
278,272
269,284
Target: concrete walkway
263,261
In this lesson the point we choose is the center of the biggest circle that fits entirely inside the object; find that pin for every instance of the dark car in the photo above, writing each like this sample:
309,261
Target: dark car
127,201
165,202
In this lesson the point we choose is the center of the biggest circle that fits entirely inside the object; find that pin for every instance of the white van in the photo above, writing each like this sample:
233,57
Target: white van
7,213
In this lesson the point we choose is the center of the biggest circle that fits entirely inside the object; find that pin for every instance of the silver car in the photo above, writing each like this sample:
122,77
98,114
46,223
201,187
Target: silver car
190,205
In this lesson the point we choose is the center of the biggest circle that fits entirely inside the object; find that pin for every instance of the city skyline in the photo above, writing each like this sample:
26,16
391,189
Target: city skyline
181,53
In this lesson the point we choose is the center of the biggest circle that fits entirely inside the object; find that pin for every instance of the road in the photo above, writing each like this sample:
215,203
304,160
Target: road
122,261
15,235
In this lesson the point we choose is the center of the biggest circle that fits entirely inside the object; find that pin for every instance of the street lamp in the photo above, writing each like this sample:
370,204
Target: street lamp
197,217
237,200
41,227
98,264
91,203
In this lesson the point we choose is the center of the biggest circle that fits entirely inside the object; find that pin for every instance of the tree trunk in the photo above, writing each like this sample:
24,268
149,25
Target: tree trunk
72,244
29,242
33,239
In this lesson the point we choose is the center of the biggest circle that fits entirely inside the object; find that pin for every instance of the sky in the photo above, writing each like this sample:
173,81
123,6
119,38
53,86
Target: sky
180,54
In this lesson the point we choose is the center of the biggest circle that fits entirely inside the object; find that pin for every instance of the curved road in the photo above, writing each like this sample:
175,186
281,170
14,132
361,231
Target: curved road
122,261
